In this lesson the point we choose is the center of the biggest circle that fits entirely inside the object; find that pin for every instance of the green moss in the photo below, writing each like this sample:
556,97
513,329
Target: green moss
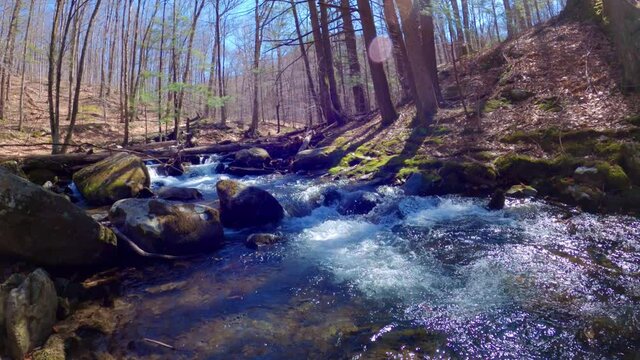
495,104
613,175
634,120
550,104
515,168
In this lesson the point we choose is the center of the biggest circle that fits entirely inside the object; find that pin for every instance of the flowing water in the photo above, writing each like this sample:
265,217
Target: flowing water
418,277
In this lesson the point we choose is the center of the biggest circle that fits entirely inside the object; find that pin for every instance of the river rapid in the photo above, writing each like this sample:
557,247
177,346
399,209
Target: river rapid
417,277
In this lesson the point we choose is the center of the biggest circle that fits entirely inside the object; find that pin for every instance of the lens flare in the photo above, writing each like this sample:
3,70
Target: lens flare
380,49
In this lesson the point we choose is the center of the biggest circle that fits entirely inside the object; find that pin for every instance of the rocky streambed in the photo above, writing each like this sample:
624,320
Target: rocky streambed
338,270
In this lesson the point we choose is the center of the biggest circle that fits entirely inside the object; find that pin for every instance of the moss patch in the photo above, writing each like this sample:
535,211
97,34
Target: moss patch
634,120
550,104
495,104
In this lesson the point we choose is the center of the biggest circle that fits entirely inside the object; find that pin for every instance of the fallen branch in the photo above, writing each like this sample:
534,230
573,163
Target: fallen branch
133,246
159,343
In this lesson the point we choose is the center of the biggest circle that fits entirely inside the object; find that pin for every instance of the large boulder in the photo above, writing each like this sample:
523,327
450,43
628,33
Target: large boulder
246,206
164,227
13,167
313,159
117,177
45,228
251,158
259,240
29,313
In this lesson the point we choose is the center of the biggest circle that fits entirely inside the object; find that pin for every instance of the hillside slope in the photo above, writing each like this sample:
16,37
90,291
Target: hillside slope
548,103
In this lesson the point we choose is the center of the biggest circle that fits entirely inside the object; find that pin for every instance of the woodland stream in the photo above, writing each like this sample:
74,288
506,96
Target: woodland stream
435,277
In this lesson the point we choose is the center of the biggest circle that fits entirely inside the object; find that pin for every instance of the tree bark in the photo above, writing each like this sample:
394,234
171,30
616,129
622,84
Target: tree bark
380,84
426,103
359,100
24,66
399,50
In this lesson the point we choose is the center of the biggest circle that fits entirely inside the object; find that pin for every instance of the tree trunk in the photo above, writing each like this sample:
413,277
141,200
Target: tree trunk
399,50
24,66
380,84
55,128
76,98
511,31
359,99
426,103
429,45
458,25
7,58
330,110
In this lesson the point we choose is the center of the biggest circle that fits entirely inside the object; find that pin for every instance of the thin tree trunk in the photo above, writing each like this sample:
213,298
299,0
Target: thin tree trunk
359,100
76,99
24,66
399,50
7,58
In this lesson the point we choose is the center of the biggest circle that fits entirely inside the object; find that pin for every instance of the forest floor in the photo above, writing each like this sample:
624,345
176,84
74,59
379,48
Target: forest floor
558,78
98,122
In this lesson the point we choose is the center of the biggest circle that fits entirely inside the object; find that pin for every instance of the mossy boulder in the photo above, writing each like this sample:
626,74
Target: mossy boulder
118,177
602,175
634,120
516,169
251,158
45,228
164,227
521,191
29,313
421,183
630,161
13,167
314,159
247,206
466,176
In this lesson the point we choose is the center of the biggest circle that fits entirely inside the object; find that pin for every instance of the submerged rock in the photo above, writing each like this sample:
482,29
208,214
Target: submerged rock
246,206
29,313
358,203
178,193
497,201
262,239
45,228
163,227
117,177
521,191
251,158
242,171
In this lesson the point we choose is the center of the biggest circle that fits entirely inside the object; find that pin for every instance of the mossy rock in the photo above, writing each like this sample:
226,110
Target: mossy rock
45,228
516,94
626,201
634,120
13,167
315,159
614,176
521,191
164,227
492,105
630,161
463,176
114,178
247,206
516,169
550,104
253,158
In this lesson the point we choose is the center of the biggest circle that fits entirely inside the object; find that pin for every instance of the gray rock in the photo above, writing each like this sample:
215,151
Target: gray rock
44,228
178,193
262,239
117,177
251,158
13,167
164,227
313,159
246,206
30,313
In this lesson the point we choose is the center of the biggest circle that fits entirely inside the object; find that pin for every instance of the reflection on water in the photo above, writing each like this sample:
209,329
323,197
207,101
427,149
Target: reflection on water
417,277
